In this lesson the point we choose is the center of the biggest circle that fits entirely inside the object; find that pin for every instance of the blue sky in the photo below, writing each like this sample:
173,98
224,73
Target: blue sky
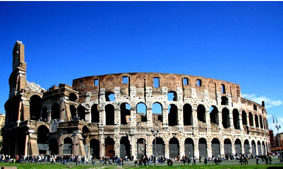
240,42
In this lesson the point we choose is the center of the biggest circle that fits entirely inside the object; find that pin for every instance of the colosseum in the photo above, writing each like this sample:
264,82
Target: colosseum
131,114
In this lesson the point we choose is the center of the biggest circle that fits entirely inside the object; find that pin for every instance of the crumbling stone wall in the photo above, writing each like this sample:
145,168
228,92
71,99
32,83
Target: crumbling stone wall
133,114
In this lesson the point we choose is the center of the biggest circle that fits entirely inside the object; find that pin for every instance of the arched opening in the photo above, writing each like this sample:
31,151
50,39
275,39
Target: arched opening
53,146
244,118
173,148
263,149
125,147
68,146
81,113
73,97
110,115
73,111
187,114
253,148
157,112
236,119
247,147
173,115
158,147
259,148
214,115
201,113
238,147
109,147
189,147
260,121
44,116
256,121
223,90
224,100
215,146
251,119
109,96
125,113
85,132
95,148
227,147
55,111
141,148
42,139
94,113
141,111
225,118
35,107
202,148
172,96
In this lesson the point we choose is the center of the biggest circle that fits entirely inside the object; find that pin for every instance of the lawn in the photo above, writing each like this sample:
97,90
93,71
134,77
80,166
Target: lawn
59,166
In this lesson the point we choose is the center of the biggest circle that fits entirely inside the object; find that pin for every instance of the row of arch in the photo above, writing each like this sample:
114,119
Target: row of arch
158,146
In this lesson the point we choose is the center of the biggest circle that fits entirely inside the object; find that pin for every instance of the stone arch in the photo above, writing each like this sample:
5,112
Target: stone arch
201,113
42,139
141,148
260,121
53,146
172,96
125,110
109,147
174,149
110,114
125,147
81,112
142,111
236,119
251,119
202,146
73,97
224,100
109,96
188,114
95,148
225,118
253,148
256,121
172,115
263,148
55,111
158,147
68,146
215,147
244,118
189,147
227,147
214,118
157,112
247,147
35,107
259,148
94,113
238,147
73,111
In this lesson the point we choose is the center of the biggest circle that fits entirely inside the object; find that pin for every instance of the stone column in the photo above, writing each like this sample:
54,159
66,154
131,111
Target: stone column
61,144
149,115
196,148
182,147
117,145
26,145
62,109
240,120
180,117
166,142
133,142
222,150
165,116
195,118
233,146
207,117
133,116
209,148
117,115
102,145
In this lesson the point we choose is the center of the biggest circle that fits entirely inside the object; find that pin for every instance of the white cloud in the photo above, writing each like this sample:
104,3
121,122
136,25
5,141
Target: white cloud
268,102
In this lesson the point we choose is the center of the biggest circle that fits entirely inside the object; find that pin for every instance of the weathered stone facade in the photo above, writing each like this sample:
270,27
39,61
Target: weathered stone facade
131,114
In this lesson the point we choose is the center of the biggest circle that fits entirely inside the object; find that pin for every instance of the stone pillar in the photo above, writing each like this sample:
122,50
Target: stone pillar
248,119
222,150
207,117
88,114
196,148
180,117
195,118
166,142
240,120
48,113
182,147
117,115
233,146
117,145
133,142
60,145
133,116
26,145
251,147
102,145
209,148
149,115
243,146
165,116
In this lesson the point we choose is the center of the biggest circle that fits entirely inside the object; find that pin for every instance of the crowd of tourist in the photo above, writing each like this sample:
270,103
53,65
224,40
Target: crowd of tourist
141,161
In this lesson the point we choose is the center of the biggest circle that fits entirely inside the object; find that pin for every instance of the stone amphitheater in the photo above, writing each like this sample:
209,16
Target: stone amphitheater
131,114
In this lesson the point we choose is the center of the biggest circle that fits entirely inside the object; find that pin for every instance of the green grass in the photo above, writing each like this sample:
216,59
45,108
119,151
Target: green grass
59,166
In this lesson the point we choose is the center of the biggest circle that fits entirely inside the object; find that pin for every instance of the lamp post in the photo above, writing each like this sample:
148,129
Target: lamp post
277,126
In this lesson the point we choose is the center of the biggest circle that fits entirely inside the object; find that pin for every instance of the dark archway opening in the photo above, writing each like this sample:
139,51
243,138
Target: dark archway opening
55,111
42,139
81,113
173,115
109,147
158,147
201,113
247,147
109,110
53,146
94,114
68,145
224,100
236,119
73,111
214,115
215,146
202,146
251,119
238,147
35,107
187,114
189,147
125,113
244,118
125,147
95,148
225,118
227,148
141,148
173,148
